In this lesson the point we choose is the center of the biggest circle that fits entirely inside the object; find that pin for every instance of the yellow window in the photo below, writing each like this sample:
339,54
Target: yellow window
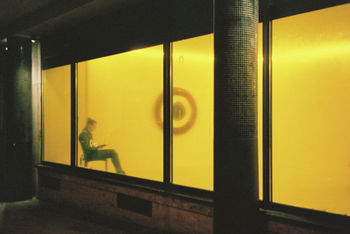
57,114
310,110
193,97
119,93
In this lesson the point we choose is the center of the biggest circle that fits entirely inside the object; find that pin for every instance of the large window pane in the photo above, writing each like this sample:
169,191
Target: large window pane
260,110
57,114
311,112
193,97
119,93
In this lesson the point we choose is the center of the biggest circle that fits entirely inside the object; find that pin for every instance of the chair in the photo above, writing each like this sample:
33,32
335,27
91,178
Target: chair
82,160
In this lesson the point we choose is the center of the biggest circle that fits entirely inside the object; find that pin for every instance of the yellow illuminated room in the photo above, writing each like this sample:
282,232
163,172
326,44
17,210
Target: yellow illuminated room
123,93
119,93
310,110
57,114
193,78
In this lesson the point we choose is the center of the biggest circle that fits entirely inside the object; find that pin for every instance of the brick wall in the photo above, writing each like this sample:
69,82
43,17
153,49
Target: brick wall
168,212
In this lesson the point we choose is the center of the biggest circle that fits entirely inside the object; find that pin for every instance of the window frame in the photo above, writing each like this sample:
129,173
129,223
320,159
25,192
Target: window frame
166,185
270,11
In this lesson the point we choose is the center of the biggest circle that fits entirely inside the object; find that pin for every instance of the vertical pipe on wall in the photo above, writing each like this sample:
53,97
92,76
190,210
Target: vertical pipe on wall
16,162
36,106
3,143
235,118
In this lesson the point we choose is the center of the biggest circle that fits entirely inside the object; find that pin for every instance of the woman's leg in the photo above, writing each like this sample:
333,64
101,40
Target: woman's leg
104,154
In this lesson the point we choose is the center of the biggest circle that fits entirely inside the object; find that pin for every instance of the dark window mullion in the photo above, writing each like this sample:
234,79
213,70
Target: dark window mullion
171,110
167,116
73,114
42,118
267,111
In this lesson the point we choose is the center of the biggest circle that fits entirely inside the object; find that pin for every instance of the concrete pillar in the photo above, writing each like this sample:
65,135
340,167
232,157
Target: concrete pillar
16,115
235,118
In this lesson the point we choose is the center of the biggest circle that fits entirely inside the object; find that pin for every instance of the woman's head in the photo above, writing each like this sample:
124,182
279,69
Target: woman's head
91,124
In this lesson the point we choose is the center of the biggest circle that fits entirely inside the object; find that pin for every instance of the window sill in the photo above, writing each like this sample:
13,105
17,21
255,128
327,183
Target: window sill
307,218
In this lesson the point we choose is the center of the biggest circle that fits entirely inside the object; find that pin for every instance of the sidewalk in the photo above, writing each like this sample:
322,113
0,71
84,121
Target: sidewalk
38,217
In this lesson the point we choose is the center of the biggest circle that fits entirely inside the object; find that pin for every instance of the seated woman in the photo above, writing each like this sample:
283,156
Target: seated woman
93,153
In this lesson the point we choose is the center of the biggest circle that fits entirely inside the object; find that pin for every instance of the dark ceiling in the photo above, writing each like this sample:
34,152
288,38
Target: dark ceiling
38,18
41,18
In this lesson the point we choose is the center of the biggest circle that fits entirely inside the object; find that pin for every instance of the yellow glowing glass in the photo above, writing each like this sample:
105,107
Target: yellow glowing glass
57,114
260,110
193,97
310,115
120,92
